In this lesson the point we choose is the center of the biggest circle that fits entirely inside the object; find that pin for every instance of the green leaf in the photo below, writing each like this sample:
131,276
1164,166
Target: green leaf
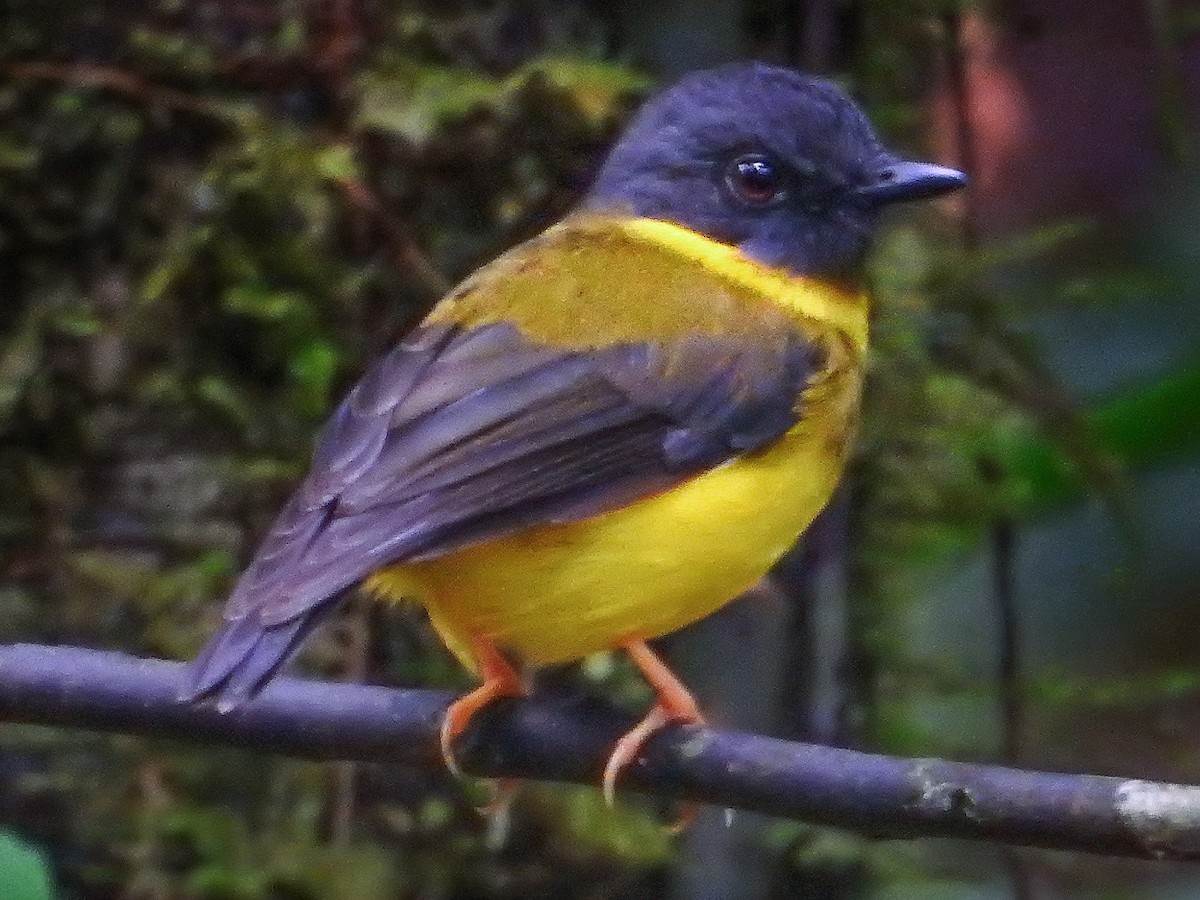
19,361
416,103
176,261
24,874
312,370
77,321
598,89
259,302
337,163
223,395
1138,427
16,157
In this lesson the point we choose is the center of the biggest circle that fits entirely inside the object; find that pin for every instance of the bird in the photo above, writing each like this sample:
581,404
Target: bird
612,429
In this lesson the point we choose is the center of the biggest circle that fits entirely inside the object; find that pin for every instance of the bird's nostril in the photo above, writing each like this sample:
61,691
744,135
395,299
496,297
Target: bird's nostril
887,175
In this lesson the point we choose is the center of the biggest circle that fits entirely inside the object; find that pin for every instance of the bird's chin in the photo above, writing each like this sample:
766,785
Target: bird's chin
840,259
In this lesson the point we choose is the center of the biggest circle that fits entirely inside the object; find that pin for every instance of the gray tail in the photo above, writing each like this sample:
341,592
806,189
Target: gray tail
242,657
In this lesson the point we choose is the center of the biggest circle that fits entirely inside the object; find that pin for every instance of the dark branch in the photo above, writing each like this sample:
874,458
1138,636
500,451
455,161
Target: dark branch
563,739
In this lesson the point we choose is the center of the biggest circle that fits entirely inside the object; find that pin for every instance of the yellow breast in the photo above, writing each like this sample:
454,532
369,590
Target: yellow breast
560,592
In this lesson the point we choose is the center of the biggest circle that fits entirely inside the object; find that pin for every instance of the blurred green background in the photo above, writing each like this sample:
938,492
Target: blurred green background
212,214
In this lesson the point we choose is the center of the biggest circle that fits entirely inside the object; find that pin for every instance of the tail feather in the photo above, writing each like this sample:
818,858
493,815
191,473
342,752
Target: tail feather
242,657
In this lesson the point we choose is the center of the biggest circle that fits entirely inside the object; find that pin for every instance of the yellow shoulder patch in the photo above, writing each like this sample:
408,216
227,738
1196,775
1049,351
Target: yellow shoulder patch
666,281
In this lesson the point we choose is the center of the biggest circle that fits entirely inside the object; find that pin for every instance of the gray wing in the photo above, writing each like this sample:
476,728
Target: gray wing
460,436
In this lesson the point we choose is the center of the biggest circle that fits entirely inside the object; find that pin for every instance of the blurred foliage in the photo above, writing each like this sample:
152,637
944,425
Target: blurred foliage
208,222
211,216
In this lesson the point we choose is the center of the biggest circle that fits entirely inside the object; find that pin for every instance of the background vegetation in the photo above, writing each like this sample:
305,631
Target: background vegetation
212,214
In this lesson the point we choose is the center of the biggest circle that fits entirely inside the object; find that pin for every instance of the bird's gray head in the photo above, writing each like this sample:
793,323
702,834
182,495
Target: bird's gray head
780,164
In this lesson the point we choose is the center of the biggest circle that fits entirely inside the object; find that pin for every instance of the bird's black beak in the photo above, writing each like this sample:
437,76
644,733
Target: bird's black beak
900,180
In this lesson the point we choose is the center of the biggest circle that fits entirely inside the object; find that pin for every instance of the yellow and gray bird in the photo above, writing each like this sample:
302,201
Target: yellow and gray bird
616,427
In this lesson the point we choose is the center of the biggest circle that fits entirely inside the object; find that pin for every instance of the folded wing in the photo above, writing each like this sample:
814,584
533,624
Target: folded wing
466,434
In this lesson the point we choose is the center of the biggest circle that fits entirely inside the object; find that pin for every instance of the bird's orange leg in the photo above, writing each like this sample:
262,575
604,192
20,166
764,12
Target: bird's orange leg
500,679
673,703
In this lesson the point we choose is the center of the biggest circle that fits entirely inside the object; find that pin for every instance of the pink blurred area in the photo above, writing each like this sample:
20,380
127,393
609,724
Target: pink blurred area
1066,105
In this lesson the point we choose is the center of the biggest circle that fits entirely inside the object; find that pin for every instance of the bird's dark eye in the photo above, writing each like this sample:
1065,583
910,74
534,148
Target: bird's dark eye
755,179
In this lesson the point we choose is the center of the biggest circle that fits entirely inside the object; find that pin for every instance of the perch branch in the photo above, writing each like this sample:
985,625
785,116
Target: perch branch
567,739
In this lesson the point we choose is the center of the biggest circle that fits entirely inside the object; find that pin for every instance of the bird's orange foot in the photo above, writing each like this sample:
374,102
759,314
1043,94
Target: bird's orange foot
674,705
500,679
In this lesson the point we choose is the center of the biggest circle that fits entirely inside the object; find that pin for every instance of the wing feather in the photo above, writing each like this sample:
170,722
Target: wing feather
465,434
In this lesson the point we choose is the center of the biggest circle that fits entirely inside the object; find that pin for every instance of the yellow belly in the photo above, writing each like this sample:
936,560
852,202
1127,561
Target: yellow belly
560,592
